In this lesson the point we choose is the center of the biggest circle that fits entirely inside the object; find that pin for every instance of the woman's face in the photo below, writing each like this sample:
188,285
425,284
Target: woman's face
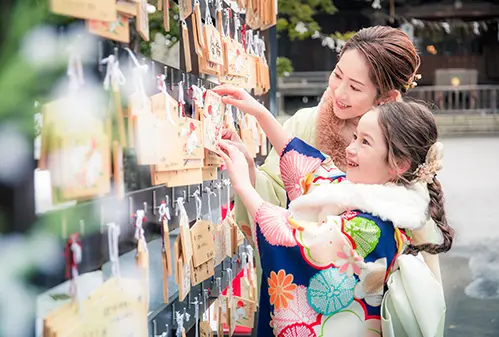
352,91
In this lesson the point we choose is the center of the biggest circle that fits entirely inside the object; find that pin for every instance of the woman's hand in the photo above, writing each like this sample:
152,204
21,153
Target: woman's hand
241,99
236,164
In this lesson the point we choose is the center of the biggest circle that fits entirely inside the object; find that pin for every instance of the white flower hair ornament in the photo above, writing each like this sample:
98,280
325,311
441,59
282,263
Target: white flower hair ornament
427,171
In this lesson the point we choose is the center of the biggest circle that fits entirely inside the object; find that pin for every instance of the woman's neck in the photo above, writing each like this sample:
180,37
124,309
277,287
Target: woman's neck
333,133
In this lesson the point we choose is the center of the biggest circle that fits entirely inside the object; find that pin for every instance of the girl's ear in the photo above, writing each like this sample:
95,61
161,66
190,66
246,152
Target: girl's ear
403,166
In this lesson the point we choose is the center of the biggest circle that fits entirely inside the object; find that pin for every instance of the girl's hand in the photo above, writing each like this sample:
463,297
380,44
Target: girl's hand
236,164
241,99
232,138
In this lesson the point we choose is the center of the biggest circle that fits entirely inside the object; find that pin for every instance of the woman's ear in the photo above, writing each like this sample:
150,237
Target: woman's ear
390,96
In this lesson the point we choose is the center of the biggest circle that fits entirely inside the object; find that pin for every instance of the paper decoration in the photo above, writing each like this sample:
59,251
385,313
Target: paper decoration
118,30
85,164
244,312
213,118
191,135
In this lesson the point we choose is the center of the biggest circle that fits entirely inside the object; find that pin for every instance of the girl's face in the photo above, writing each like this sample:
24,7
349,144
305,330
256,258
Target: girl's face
367,154
352,91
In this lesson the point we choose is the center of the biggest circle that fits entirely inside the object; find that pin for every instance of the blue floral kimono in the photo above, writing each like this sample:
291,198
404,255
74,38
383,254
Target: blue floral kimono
326,258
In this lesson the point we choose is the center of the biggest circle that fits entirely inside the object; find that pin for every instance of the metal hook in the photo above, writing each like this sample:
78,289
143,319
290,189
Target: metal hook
100,55
82,228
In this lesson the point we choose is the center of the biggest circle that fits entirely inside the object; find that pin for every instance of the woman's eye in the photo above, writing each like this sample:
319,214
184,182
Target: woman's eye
336,75
354,136
365,142
354,88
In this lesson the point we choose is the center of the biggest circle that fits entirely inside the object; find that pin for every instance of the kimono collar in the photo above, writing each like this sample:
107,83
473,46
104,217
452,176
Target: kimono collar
405,206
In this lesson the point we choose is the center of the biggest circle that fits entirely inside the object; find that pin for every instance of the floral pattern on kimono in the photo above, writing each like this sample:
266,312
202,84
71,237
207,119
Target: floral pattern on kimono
321,278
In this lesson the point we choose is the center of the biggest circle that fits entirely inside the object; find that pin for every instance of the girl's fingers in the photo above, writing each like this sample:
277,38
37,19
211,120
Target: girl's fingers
231,150
225,158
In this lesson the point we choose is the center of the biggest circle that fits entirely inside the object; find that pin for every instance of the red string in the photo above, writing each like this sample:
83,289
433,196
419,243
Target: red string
243,35
68,253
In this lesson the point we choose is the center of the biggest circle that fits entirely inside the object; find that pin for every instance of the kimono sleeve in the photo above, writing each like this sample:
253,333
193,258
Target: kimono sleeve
298,163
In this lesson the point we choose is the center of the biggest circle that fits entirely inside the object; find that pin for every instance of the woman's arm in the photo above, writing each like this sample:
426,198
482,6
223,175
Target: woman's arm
242,100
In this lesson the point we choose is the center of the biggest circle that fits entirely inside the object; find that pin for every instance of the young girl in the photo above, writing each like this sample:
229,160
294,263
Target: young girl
326,258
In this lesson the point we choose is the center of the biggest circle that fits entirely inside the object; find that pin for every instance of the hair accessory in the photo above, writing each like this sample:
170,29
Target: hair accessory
413,83
433,163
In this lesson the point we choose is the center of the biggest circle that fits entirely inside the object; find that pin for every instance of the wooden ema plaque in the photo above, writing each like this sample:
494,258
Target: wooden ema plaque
187,170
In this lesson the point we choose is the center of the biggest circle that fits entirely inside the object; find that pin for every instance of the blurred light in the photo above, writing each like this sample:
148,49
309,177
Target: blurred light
458,4
151,9
455,81
431,49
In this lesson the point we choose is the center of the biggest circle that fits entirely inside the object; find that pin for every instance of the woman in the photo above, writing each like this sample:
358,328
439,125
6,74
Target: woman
376,65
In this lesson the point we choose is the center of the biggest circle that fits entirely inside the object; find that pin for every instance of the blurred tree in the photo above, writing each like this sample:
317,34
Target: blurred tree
294,15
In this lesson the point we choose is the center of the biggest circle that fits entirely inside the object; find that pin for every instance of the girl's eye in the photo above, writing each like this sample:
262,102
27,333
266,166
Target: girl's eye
336,75
365,142
354,88
354,136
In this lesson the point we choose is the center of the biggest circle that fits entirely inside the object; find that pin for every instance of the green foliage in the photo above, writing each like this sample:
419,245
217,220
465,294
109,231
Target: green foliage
291,12
20,82
342,36
156,26
284,66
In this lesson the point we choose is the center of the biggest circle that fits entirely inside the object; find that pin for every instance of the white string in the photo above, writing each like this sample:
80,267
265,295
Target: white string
77,257
229,276
197,93
113,72
139,221
164,211
237,24
181,209
244,264
113,233
180,324
227,28
250,43
219,189
205,305
162,87
75,71
181,101
207,14
140,68
199,204
227,182
196,315
210,193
